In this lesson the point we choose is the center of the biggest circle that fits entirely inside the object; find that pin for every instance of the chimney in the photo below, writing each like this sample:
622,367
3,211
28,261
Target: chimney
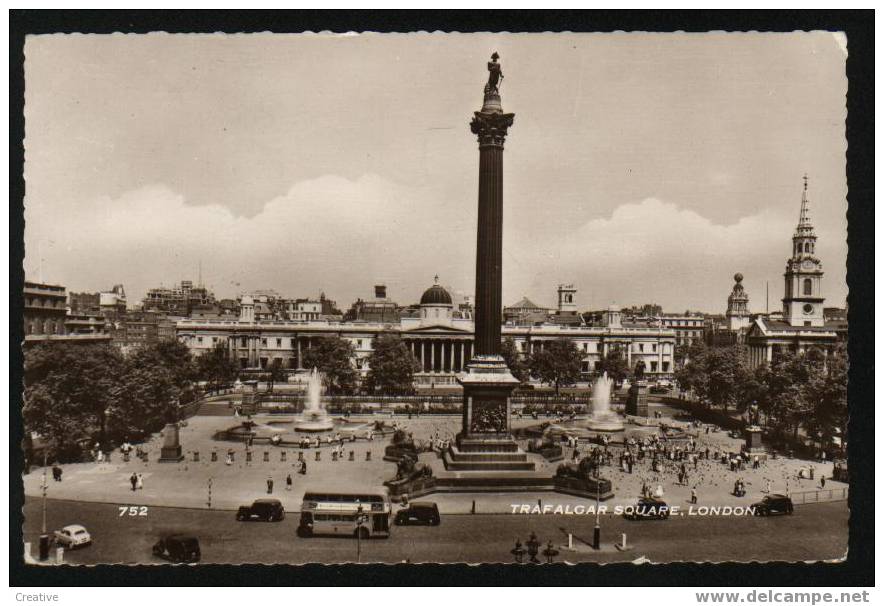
380,291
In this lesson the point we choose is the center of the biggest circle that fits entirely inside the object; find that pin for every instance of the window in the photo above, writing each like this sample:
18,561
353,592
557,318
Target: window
641,347
245,343
214,340
654,366
586,347
665,366
654,348
808,286
263,342
279,342
199,340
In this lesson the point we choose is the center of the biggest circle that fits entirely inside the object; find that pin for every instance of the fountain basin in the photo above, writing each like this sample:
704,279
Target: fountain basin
604,424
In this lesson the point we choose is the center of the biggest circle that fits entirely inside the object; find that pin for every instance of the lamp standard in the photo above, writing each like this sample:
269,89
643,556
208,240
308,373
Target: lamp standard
550,552
597,531
361,519
533,547
518,552
44,537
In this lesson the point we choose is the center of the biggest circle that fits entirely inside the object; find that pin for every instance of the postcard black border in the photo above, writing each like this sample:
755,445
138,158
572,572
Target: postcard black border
857,570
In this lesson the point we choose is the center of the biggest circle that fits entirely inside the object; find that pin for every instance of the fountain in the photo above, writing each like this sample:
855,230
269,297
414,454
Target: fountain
602,418
315,417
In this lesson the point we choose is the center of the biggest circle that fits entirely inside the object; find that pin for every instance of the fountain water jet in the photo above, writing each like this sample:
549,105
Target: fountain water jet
602,418
315,417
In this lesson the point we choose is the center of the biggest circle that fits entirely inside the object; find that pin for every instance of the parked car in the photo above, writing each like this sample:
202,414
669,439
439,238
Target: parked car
647,509
178,548
659,389
773,504
425,512
73,536
269,510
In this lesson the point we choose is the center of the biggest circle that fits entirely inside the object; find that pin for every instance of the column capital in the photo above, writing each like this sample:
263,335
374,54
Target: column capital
491,127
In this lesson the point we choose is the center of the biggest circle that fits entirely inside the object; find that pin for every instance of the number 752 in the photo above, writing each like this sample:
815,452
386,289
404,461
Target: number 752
132,510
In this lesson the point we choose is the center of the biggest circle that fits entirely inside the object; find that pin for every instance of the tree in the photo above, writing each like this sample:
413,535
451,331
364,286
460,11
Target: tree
275,373
149,394
830,415
615,365
514,360
558,363
391,366
70,389
216,367
332,357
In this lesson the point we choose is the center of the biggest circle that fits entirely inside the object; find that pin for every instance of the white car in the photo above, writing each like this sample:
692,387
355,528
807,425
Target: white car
73,536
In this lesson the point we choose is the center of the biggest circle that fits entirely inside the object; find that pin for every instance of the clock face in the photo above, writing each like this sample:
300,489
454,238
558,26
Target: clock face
808,308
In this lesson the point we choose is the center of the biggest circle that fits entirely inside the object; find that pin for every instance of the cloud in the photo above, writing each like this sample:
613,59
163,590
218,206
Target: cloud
342,236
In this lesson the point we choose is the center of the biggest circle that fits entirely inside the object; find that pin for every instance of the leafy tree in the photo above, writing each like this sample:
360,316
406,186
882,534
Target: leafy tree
830,395
275,373
70,390
514,360
332,357
391,366
176,357
558,363
615,365
216,367
148,396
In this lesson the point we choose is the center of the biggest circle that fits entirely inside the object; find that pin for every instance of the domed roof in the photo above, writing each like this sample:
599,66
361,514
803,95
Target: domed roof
436,295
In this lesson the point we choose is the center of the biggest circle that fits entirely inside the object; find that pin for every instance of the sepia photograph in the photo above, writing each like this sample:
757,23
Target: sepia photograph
429,297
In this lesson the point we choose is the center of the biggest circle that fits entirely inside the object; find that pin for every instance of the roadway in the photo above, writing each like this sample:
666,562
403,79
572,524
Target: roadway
814,532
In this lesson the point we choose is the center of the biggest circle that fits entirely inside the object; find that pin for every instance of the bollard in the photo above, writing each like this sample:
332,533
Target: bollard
623,541
300,455
196,456
248,456
473,509
352,455
368,455
266,457
282,456
334,455
59,555
570,541
318,455
44,547
214,456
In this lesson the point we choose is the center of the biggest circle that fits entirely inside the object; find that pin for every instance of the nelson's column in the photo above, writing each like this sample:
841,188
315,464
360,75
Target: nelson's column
485,442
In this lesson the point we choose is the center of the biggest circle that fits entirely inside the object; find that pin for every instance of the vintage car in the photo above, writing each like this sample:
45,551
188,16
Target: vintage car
650,508
268,510
73,536
421,512
773,504
178,548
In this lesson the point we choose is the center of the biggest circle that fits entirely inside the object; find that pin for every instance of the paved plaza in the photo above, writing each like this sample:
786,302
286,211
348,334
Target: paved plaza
186,484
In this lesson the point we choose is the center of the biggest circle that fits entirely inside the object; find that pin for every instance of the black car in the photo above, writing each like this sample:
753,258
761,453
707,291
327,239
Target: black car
647,509
425,512
268,510
773,504
178,548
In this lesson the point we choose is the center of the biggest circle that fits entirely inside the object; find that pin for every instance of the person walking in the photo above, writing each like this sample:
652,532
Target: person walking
694,495
288,482
822,481
269,485
134,481
139,482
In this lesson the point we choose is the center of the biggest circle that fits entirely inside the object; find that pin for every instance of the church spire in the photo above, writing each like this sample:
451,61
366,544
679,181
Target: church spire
804,226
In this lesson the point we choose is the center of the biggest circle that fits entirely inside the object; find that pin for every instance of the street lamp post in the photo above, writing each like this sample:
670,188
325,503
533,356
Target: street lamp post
361,518
533,547
597,531
44,537
518,552
550,552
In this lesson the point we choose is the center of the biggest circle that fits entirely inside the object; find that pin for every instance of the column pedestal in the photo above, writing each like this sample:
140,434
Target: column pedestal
171,450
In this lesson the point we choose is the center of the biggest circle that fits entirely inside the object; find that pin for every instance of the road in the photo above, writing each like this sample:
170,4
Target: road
814,532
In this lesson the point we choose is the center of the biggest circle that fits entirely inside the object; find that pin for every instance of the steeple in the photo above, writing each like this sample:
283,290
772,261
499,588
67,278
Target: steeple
805,228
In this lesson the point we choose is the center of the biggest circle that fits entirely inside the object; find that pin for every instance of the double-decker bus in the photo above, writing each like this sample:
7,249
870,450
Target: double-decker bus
337,513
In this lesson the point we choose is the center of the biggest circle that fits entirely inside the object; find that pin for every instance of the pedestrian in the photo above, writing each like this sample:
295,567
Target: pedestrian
755,463
303,470
139,482
134,481
269,485
768,486
694,495
822,481
288,482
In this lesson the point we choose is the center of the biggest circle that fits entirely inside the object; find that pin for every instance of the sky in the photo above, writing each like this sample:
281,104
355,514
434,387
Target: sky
641,167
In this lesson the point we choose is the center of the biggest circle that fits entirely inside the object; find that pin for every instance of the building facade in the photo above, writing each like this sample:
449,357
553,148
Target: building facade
440,340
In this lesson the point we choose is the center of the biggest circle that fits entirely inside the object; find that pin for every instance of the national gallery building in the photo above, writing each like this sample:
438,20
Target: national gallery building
441,342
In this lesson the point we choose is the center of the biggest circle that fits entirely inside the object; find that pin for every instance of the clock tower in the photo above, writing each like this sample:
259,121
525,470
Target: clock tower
803,300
